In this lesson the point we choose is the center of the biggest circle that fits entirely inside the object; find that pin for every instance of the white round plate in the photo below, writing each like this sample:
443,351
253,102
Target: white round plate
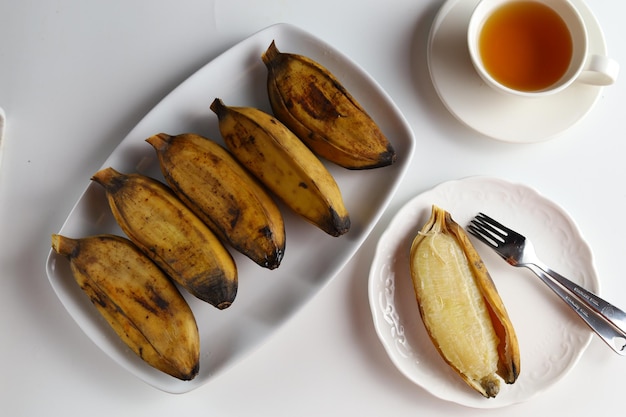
492,113
551,337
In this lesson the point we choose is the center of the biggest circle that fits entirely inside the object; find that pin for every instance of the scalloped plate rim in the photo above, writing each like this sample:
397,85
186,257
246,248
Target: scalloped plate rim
442,382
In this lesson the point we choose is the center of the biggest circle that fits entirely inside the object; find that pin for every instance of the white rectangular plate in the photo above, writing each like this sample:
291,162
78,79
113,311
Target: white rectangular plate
265,298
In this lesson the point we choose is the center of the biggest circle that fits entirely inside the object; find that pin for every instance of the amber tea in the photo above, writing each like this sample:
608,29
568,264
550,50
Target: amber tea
525,46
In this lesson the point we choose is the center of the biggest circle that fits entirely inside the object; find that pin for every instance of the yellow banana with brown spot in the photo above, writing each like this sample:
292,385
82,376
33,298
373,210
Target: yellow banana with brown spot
312,102
284,164
210,181
170,234
137,299
460,306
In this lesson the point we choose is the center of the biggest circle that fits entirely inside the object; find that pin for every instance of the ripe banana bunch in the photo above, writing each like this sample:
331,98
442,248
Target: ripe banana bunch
170,234
275,156
137,299
311,102
210,181
460,306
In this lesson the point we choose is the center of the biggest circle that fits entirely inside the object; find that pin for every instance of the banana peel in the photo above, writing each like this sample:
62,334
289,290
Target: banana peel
277,158
170,234
140,303
210,181
313,103
460,306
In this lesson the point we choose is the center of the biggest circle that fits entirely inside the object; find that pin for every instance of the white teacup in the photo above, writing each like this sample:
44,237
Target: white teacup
533,48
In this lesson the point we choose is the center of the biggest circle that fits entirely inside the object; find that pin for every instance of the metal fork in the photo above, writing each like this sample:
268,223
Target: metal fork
608,321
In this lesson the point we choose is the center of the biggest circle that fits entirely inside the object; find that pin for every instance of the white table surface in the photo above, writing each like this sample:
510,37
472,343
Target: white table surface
76,76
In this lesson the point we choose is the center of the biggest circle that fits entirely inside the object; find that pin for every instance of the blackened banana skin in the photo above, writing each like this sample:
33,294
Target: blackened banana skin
277,158
311,101
170,234
137,299
210,181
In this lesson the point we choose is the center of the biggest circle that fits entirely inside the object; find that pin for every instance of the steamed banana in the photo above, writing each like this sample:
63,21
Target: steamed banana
170,234
284,164
137,299
460,306
210,181
311,102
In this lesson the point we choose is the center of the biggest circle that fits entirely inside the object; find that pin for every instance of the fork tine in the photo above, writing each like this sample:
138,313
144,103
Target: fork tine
477,231
489,231
493,225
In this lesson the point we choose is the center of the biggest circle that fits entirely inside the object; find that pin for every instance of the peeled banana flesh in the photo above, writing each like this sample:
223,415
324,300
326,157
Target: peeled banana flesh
460,306
311,101
137,299
170,234
274,155
210,181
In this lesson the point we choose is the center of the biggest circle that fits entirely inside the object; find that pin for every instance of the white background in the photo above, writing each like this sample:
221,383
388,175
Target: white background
76,76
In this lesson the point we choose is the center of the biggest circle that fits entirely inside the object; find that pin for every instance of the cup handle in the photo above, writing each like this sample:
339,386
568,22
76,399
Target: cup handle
600,70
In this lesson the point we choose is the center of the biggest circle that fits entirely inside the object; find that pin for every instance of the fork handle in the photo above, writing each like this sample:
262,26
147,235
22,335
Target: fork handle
611,335
611,312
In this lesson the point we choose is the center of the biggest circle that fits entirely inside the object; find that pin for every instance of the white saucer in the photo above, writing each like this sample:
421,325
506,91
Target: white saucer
492,113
